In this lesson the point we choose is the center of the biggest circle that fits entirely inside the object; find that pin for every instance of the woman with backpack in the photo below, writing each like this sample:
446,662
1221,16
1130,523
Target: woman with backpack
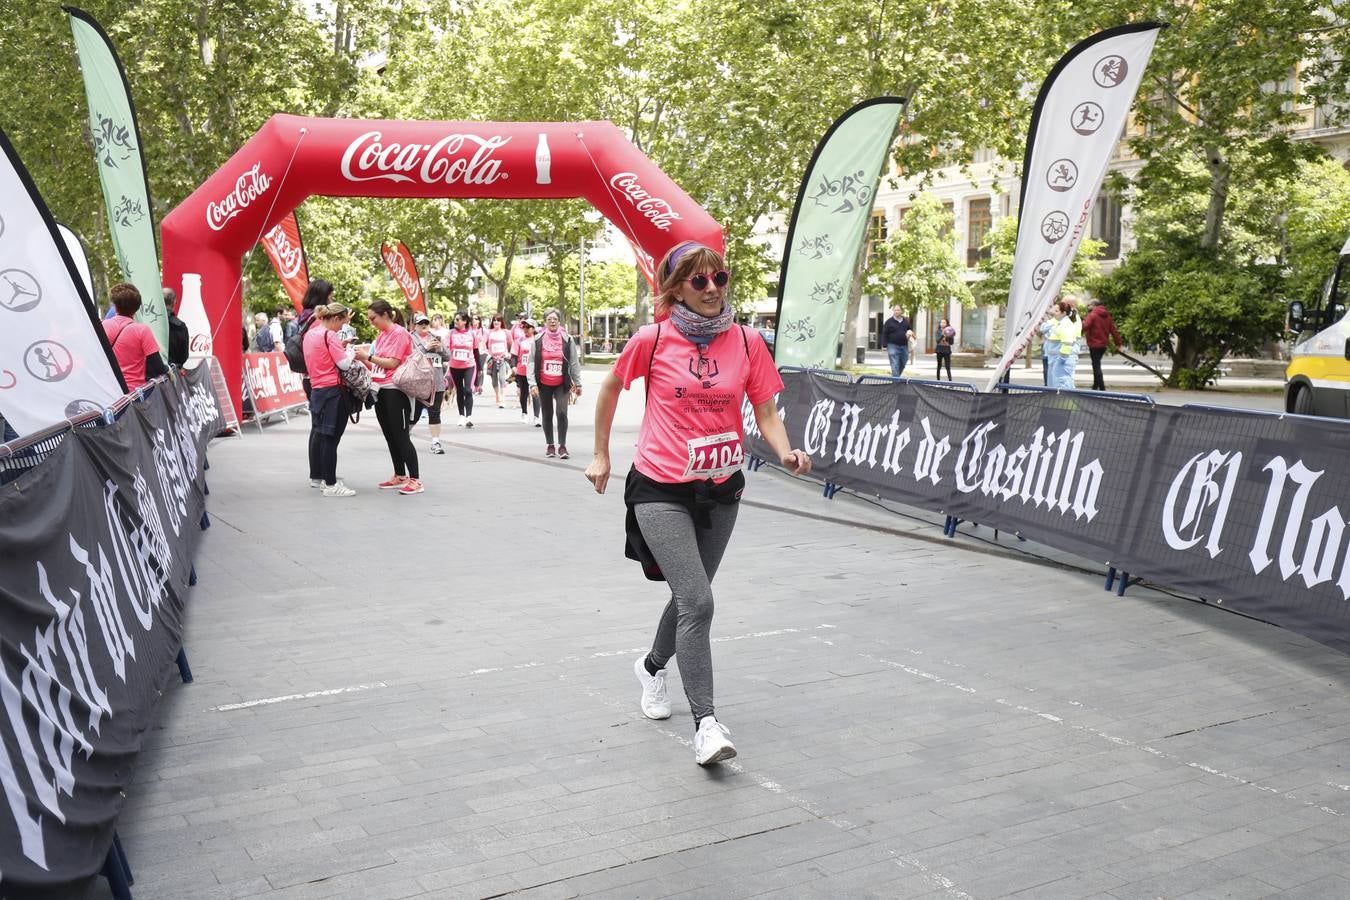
326,358
393,408
686,482
555,377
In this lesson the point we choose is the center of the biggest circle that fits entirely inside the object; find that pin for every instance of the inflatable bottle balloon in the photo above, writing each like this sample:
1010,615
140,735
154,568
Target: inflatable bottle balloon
193,314
543,162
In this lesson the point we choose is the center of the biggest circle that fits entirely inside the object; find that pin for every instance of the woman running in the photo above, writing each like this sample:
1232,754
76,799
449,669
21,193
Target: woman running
522,350
393,408
326,357
498,344
686,481
462,344
431,346
555,375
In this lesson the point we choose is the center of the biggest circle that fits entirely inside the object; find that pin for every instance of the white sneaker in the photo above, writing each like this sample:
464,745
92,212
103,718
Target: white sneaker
437,448
524,418
655,698
712,744
468,422
461,421
338,490
538,423
316,482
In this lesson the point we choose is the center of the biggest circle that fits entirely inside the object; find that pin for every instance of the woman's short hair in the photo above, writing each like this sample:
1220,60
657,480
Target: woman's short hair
330,310
679,263
125,299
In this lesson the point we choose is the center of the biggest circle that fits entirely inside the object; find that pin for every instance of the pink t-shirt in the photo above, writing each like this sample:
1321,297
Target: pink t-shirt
323,348
461,346
479,338
497,342
524,347
692,429
517,333
132,342
393,342
553,356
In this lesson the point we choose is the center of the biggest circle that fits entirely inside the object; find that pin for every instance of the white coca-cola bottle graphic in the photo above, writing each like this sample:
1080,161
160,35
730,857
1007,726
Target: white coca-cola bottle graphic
543,162
193,314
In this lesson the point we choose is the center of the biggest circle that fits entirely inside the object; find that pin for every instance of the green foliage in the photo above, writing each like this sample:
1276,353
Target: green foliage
1197,304
992,290
1316,227
916,266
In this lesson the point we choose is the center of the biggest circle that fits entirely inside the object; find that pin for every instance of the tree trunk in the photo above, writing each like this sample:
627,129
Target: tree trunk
1219,174
855,290
642,310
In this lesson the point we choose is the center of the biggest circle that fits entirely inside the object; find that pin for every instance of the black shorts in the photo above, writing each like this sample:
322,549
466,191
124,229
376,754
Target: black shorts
328,410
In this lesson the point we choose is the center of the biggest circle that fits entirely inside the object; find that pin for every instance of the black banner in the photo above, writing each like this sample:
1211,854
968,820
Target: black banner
98,543
1240,508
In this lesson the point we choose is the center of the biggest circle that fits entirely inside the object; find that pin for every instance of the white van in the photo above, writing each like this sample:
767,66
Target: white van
1317,382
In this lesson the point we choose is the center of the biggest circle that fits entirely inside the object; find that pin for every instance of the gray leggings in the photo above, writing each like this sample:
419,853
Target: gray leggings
689,558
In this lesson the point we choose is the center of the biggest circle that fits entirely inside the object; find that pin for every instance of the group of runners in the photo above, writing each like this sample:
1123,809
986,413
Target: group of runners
684,487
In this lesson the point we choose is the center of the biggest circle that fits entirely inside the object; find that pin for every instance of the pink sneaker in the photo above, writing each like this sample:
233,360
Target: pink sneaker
396,482
411,486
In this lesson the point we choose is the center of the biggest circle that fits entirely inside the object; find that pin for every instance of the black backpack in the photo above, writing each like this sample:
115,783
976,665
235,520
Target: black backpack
294,349
178,341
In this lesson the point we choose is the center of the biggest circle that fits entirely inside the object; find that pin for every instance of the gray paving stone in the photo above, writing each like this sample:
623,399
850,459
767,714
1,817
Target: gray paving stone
980,726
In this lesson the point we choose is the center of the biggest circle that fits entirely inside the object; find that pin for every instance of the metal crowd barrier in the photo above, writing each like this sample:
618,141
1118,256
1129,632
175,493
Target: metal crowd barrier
22,454
1009,388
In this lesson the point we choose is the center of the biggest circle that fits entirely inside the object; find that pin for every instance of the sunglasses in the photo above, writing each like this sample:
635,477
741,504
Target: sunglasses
700,281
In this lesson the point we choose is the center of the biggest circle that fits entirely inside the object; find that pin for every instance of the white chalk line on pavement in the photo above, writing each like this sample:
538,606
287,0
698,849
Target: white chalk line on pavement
602,654
268,701
1104,735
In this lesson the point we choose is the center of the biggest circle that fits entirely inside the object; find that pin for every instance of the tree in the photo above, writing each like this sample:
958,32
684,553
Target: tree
916,266
1198,303
1316,226
1001,241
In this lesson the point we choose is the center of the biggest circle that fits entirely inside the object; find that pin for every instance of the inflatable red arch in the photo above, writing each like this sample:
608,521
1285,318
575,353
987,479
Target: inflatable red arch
292,158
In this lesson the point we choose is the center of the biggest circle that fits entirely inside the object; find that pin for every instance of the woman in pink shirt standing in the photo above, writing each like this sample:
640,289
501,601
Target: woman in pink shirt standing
686,481
479,349
133,343
326,357
393,408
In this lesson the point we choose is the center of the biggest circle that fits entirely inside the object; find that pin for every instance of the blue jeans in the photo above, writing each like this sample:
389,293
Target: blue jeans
899,358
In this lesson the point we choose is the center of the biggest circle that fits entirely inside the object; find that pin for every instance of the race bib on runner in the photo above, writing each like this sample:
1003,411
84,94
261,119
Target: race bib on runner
461,354
436,361
553,367
714,456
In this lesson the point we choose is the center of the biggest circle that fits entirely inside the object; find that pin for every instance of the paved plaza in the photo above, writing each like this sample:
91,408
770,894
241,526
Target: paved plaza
433,696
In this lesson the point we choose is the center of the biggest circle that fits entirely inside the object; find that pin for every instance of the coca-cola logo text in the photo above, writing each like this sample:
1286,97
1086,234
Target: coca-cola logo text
659,211
289,257
398,267
250,186
455,158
